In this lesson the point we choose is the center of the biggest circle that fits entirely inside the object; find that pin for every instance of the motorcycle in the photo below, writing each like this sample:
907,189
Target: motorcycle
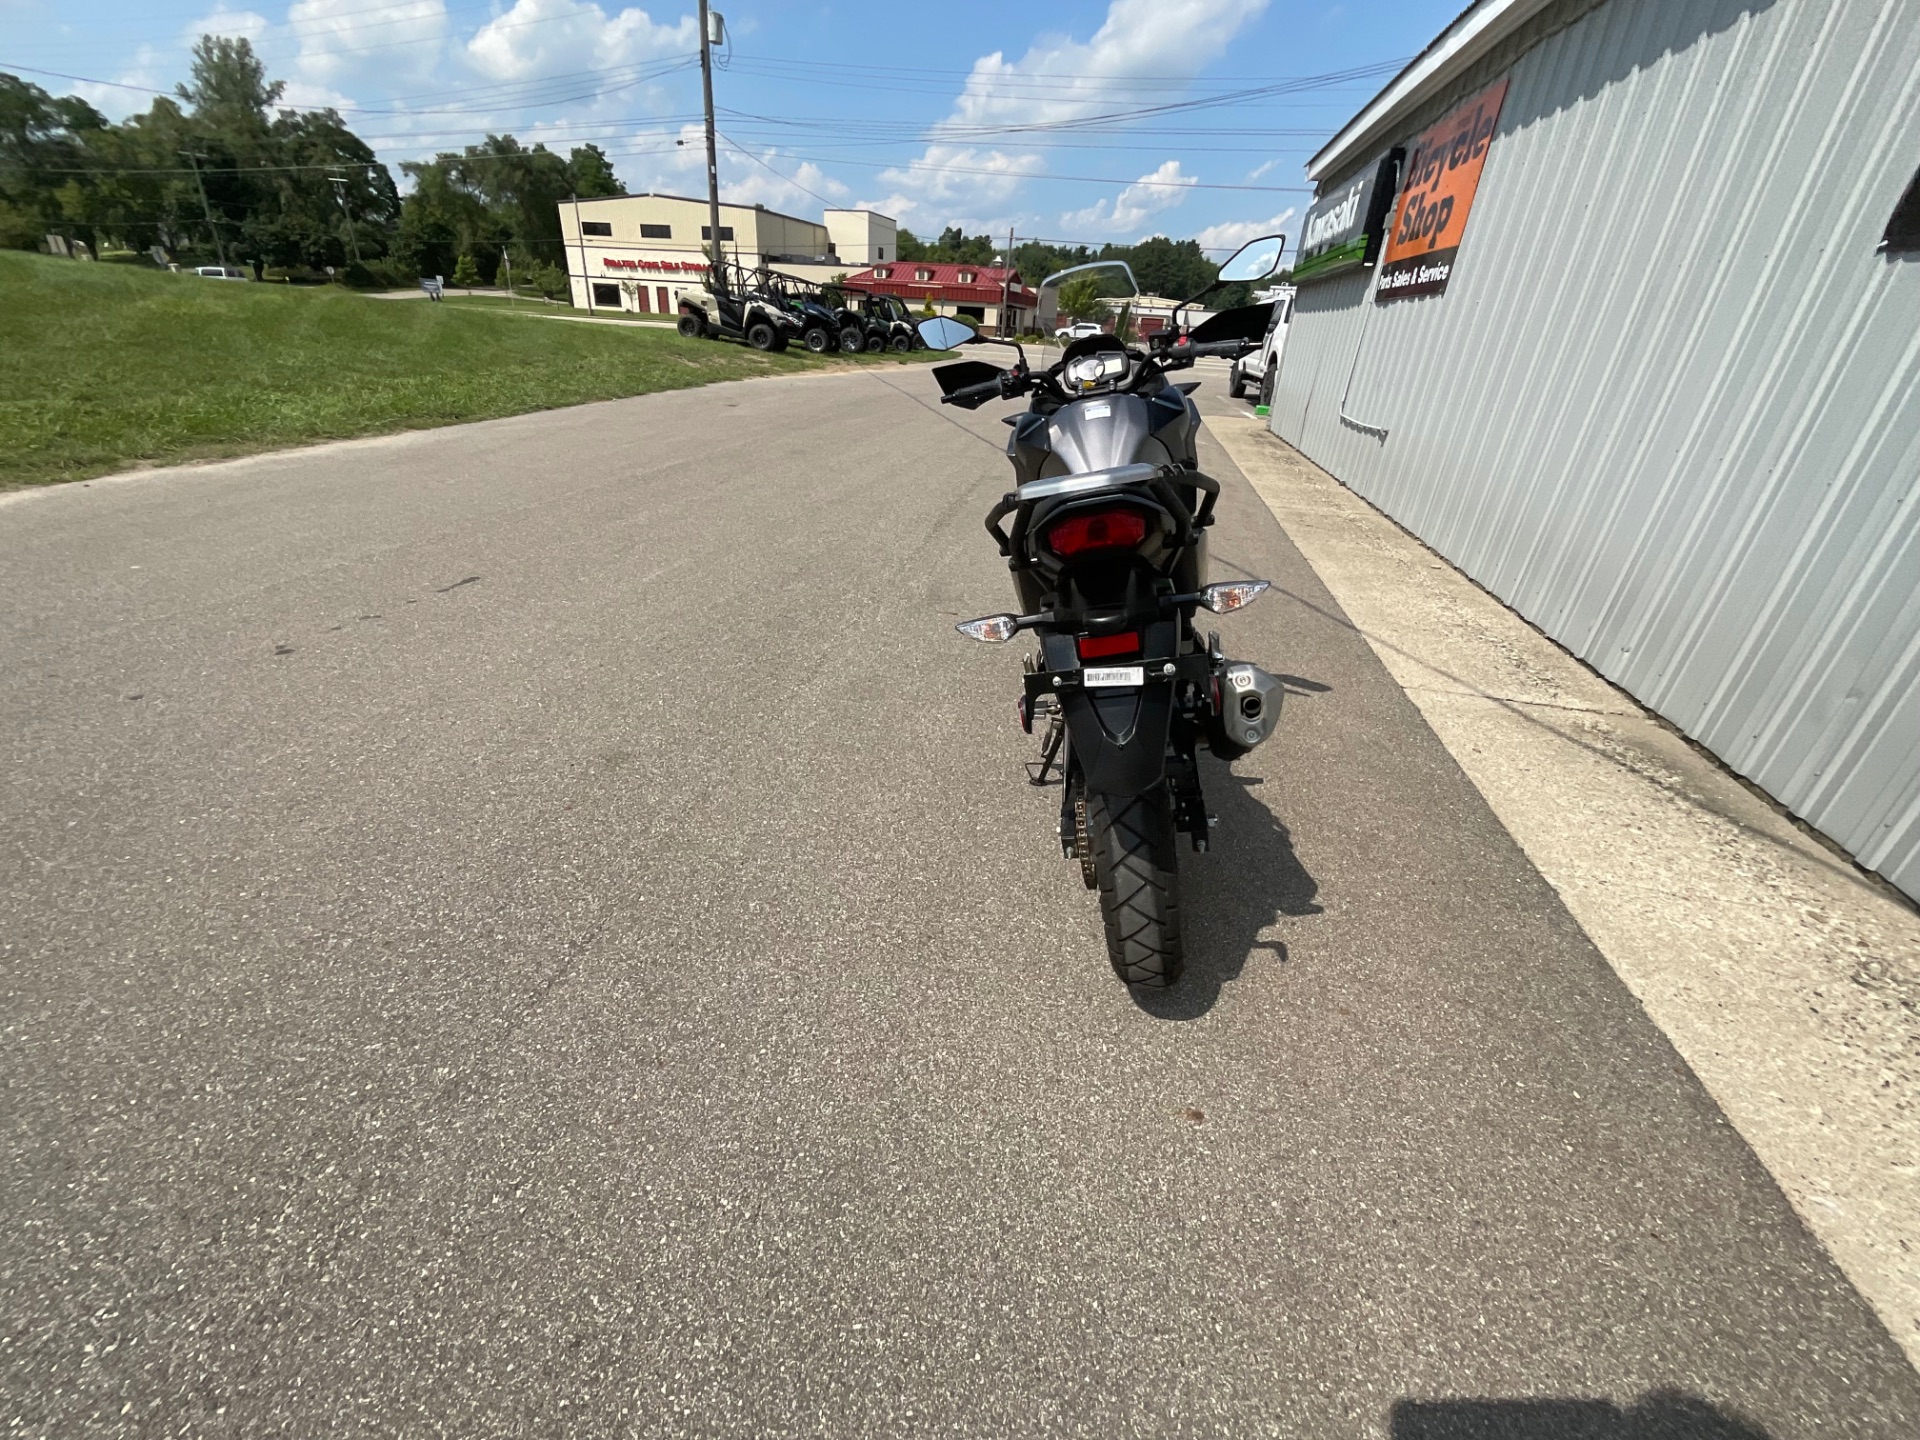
1105,532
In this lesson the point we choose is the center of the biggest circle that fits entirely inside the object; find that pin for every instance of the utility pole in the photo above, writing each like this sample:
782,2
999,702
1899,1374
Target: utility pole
219,245
586,280
339,183
1006,287
709,23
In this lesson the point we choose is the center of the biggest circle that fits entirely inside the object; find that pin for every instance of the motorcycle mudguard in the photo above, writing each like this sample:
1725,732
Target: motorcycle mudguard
1119,737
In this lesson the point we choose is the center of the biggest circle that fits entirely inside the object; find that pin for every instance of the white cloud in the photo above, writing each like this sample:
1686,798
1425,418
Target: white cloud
1060,80
551,37
1232,234
758,185
149,71
233,24
341,36
1259,170
943,177
1162,190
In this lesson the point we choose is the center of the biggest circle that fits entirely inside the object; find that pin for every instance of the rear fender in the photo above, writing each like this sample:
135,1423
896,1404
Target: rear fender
1119,737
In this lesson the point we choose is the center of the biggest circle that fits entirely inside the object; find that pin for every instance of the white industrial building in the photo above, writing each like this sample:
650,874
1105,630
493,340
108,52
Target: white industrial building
1616,304
639,252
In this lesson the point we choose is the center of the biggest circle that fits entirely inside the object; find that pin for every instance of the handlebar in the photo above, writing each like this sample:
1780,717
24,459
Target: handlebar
976,394
1226,349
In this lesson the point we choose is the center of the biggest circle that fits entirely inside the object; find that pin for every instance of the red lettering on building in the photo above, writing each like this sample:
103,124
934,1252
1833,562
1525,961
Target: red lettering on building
620,262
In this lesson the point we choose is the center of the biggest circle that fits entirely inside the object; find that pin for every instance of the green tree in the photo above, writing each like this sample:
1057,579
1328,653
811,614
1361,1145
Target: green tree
444,218
268,171
230,93
965,249
543,278
1173,268
326,202
44,154
590,173
466,274
524,189
1080,298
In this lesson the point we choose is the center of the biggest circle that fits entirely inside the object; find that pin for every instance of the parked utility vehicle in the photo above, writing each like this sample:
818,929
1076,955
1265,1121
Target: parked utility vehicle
745,308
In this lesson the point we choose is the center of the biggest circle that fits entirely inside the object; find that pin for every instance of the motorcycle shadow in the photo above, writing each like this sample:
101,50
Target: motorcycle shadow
1233,895
1663,1415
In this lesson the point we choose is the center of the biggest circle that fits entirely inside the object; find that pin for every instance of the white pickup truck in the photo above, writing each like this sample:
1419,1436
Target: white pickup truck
1256,372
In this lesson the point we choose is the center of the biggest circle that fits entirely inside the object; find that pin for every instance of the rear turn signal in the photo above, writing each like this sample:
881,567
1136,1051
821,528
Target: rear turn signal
1119,528
993,629
1232,595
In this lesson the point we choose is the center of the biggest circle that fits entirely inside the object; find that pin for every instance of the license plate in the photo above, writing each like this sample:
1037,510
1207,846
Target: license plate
1106,676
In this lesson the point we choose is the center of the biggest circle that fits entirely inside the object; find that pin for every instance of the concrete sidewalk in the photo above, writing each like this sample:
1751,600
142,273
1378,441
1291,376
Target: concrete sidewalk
1787,978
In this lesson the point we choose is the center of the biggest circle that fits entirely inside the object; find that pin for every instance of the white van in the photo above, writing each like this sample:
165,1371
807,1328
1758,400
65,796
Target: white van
220,272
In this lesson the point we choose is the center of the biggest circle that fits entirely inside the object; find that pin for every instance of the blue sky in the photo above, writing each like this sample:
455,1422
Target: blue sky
982,114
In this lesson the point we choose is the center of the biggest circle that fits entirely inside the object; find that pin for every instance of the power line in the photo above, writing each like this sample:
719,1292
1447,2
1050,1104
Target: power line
742,150
508,103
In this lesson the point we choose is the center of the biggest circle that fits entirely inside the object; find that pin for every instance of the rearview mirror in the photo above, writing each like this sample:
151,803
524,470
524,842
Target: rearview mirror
942,333
1255,260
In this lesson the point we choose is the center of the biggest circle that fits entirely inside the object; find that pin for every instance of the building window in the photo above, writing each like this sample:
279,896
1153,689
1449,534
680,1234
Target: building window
656,232
706,232
883,274
975,313
879,252
607,295
596,227
967,277
923,274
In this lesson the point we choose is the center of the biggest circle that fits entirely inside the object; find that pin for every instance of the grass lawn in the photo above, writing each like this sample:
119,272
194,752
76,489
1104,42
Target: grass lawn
103,367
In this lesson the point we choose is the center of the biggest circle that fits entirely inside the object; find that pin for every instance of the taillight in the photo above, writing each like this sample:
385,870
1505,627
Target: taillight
1119,528
1105,647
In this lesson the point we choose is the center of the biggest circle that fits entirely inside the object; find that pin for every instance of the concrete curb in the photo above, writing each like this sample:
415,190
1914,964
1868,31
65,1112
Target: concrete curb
1787,978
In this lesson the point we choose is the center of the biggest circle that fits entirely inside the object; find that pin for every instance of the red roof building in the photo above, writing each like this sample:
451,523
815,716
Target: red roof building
972,292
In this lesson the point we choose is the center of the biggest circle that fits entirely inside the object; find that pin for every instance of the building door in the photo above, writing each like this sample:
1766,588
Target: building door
665,304
640,298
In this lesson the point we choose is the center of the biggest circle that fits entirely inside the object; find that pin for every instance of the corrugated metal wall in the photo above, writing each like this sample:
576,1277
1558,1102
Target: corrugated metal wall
1669,408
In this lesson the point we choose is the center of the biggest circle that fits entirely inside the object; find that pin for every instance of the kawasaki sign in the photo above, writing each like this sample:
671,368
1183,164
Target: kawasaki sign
1343,228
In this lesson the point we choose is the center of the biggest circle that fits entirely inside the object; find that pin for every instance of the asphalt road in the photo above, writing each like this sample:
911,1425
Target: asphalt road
538,929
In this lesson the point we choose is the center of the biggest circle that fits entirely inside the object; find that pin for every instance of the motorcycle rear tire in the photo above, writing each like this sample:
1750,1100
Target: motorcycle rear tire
1137,863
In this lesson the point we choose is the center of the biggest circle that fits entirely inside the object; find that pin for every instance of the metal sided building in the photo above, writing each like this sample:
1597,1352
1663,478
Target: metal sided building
1616,304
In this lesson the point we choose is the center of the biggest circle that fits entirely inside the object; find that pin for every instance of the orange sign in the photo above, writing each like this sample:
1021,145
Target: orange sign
1443,171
